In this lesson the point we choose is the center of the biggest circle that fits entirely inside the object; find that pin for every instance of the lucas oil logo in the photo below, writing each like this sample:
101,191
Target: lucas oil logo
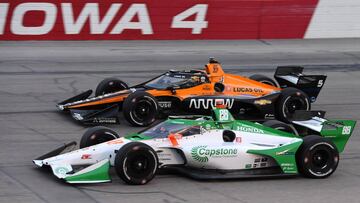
210,103
203,153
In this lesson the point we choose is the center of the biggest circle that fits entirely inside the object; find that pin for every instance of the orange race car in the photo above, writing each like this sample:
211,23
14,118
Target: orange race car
197,92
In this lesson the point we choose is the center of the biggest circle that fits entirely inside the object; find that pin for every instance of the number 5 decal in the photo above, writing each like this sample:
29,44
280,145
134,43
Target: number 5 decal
320,83
200,11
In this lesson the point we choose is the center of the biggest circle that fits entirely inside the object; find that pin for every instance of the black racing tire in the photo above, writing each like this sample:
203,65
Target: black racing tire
290,100
136,163
140,109
97,135
317,157
264,79
110,85
278,125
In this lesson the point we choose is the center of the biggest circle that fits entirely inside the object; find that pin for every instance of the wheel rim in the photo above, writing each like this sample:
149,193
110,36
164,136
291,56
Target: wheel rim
140,165
321,161
143,110
293,104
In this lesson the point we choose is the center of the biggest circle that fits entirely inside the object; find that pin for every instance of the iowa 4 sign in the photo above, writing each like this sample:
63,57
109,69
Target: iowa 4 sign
177,19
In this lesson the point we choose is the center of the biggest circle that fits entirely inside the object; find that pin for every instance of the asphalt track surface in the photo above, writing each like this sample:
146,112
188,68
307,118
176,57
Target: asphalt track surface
34,76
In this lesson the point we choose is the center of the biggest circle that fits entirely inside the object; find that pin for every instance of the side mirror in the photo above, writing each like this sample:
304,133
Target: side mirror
173,88
228,136
219,87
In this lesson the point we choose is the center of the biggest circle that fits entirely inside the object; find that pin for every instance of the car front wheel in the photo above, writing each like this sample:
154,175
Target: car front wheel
136,163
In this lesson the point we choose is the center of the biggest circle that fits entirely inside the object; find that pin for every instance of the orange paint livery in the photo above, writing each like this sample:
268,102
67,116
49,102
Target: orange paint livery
197,91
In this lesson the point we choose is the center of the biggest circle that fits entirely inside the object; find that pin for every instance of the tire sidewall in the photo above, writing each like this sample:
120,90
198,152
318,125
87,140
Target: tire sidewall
129,151
97,135
308,148
108,83
129,106
286,95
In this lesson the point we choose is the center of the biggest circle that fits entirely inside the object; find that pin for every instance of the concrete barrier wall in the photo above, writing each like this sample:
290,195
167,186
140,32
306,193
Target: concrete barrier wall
177,19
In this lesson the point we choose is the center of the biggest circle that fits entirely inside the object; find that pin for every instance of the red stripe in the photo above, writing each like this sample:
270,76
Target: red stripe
229,19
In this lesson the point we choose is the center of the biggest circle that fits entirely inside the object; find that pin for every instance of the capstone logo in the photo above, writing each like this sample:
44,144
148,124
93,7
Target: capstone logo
203,153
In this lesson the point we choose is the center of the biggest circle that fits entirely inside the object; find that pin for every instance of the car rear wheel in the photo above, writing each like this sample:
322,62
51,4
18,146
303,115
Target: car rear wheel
97,135
291,100
264,79
317,157
136,163
140,109
110,85
278,125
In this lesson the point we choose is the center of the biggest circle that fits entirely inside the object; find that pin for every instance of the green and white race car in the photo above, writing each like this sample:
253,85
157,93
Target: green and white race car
206,147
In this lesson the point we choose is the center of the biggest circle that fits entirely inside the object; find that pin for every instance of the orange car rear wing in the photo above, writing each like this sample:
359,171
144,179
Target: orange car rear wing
292,76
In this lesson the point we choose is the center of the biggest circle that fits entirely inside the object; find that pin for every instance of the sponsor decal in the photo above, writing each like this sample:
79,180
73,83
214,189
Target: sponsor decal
77,116
206,87
285,152
262,102
288,167
250,129
179,76
258,163
61,170
203,153
247,89
104,120
164,157
238,139
86,156
215,68
116,141
346,130
144,20
210,103
268,115
224,115
165,104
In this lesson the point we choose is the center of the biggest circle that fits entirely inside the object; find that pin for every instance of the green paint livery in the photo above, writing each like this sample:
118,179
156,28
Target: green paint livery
97,175
283,155
339,131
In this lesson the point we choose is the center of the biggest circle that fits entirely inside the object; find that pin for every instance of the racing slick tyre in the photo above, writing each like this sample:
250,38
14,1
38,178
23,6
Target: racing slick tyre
140,109
97,135
109,85
278,125
136,163
264,79
317,157
290,100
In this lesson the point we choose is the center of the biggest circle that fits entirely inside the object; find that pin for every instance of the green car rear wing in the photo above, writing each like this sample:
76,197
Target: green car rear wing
339,131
